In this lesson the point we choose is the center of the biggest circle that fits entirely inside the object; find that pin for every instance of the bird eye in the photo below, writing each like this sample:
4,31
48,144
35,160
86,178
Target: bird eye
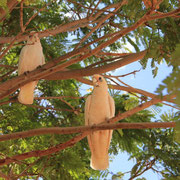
100,78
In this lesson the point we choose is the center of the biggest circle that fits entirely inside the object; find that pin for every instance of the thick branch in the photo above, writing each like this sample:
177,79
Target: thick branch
89,72
164,15
77,138
13,84
37,74
81,129
11,4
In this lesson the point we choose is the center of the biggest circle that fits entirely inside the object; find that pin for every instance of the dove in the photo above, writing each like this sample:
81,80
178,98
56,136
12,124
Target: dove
99,107
31,56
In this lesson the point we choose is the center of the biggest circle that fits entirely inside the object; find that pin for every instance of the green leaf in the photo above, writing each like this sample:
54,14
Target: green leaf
135,168
177,131
3,4
120,132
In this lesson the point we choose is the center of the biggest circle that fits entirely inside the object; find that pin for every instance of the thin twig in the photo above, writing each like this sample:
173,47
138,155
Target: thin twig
7,74
60,97
99,24
55,109
9,47
133,72
8,66
21,16
34,15
4,176
171,106
97,4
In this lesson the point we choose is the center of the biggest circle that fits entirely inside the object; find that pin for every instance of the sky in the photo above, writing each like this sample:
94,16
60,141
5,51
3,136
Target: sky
143,80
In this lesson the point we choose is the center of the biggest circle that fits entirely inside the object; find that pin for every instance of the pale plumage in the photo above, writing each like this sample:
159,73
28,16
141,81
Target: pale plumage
99,107
31,57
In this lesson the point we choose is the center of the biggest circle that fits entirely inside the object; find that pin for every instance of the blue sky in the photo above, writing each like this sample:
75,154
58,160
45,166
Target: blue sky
143,80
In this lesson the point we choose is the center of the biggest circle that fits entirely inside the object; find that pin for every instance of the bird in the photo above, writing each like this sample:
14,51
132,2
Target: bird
99,107
31,57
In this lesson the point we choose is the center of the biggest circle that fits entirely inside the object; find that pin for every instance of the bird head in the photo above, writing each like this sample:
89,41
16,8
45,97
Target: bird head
33,37
98,81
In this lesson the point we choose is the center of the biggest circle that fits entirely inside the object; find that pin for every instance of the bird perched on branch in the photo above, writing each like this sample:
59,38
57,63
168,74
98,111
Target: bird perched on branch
99,107
31,57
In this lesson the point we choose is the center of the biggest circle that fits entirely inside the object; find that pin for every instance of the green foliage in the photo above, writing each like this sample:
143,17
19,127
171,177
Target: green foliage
172,82
3,4
160,37
118,176
177,131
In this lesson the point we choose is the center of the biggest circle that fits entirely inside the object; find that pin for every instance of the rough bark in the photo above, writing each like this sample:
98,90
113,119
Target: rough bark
81,129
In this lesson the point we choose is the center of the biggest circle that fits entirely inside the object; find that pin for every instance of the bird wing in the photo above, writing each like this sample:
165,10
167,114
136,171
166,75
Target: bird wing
21,66
112,106
86,113
112,113
43,60
87,106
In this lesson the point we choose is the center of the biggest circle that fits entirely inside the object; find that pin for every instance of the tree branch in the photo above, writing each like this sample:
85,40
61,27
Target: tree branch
81,23
13,84
11,44
71,26
4,176
164,15
119,5
71,142
81,129
102,69
21,16
10,4
128,89
55,109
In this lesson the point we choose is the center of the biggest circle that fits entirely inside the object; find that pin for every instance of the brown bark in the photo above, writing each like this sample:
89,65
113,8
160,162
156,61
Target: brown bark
71,26
128,89
12,85
76,24
97,70
71,142
10,4
81,129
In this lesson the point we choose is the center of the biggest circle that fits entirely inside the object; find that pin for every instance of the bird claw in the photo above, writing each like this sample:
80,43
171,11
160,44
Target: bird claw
26,73
39,66
107,120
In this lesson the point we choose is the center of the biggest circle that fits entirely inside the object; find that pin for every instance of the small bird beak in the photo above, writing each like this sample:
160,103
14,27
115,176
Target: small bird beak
95,81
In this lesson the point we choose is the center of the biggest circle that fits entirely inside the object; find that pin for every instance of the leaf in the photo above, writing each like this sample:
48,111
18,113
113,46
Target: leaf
177,131
3,4
118,176
120,132
155,71
135,168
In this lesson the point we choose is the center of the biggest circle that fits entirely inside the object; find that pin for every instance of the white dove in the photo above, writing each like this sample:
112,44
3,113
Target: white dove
31,57
99,107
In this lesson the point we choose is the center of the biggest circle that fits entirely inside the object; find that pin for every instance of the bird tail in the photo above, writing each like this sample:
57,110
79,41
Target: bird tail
26,94
99,163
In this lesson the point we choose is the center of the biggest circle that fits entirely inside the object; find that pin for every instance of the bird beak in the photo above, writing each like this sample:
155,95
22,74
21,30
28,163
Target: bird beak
95,81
